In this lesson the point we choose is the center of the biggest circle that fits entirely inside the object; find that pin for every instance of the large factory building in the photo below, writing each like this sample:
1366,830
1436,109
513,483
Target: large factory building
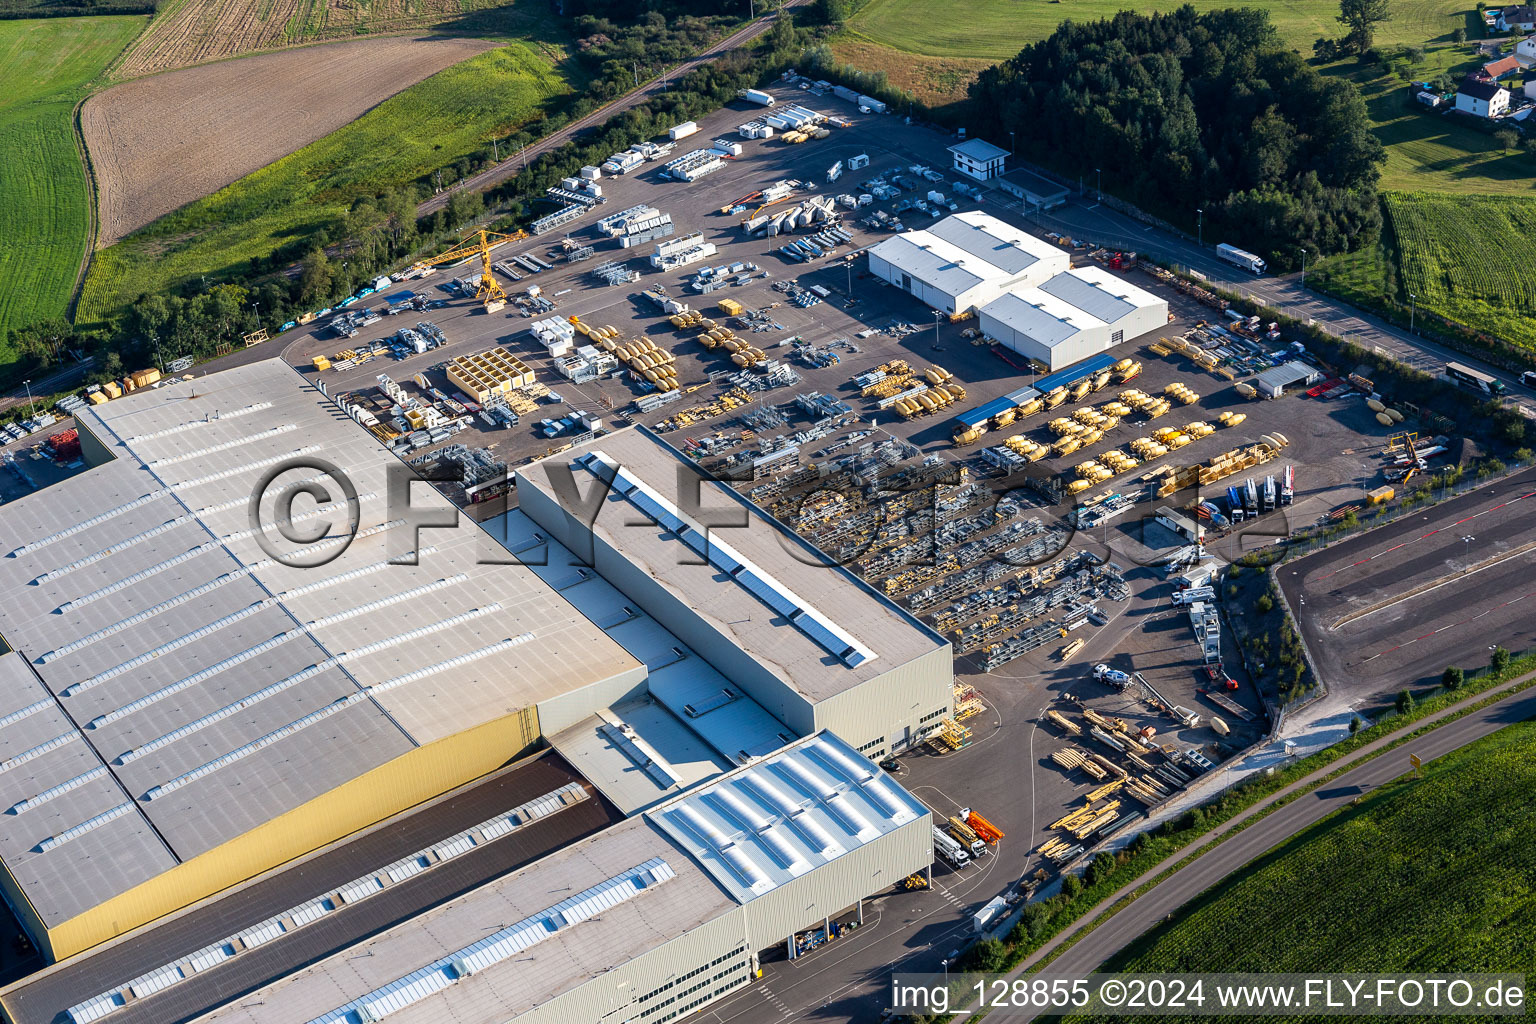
1025,292
236,777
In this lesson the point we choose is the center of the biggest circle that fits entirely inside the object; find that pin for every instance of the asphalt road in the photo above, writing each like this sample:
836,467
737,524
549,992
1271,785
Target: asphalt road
1157,903
517,161
1410,642
1082,217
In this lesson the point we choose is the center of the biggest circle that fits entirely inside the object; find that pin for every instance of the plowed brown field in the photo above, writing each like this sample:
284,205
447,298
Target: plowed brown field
161,142
187,32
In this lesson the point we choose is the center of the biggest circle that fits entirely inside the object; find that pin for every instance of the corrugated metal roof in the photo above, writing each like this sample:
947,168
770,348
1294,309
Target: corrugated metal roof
1012,250
935,262
1091,294
638,753
761,826
221,687
979,150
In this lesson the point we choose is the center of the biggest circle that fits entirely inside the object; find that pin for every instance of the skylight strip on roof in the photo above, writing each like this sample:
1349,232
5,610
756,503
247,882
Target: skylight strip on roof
39,750
85,826
205,421
59,790
385,602
225,506
26,712
96,520
317,511
137,577
222,713
463,659
223,446
172,645
192,680
81,563
804,616
155,792
239,470
498,947
148,613
350,574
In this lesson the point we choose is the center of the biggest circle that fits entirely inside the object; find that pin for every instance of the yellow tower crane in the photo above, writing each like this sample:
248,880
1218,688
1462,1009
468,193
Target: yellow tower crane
489,292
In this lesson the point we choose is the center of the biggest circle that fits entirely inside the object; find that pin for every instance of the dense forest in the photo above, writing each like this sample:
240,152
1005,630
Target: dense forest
1184,111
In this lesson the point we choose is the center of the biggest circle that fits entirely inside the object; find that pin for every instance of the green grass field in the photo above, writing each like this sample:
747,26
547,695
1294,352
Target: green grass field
44,204
433,123
999,28
1424,875
1469,257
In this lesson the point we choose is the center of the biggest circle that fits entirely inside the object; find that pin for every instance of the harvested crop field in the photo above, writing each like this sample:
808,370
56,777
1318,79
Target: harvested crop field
161,142
187,32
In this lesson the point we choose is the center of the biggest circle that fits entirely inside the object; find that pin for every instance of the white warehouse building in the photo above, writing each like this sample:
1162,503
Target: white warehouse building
1024,289
965,261
1074,315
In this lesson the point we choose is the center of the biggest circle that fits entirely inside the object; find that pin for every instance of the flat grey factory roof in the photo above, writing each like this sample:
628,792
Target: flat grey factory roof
637,753
934,261
835,596
220,687
1038,315
1091,294
570,949
40,999
738,729
1010,249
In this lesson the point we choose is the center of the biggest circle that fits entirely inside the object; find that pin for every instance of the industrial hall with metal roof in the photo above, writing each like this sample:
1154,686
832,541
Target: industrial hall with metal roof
1023,289
231,773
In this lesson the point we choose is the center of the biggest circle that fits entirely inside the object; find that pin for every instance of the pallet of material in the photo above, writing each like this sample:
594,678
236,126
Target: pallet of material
1064,723
1142,795
1109,766
1071,757
1108,789
1226,703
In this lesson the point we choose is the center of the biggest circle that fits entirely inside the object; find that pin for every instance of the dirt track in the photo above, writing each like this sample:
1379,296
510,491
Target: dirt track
159,143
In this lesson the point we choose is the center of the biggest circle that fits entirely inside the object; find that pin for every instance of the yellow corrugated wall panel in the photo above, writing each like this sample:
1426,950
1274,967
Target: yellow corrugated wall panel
406,781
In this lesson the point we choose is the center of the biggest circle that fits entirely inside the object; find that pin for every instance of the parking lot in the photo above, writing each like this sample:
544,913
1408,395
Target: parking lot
1393,607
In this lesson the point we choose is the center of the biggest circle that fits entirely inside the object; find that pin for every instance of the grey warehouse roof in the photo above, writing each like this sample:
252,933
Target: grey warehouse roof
215,687
824,632
1010,249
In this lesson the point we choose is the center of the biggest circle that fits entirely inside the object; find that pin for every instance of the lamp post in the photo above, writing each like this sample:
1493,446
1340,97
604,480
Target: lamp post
28,385
1100,172
1413,303
1303,266
938,315
1200,225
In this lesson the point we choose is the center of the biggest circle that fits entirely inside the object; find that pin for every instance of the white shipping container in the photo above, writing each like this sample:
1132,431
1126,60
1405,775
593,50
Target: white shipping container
682,131
591,173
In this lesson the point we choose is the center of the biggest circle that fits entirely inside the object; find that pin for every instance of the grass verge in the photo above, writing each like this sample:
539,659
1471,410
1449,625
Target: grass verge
307,193
45,212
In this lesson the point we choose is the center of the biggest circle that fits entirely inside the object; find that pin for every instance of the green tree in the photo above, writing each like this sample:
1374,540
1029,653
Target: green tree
1459,36
1264,604
832,12
1071,886
1100,868
316,278
1507,138
988,956
1354,724
1404,702
1499,662
1452,677
1360,18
